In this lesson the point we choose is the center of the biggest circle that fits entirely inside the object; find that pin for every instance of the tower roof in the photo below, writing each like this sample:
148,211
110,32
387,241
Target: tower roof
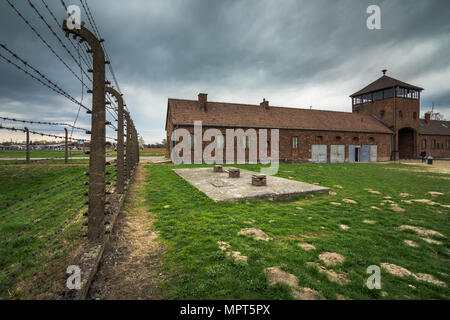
385,82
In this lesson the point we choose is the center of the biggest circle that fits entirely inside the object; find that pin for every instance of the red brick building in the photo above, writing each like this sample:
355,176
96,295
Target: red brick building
384,124
434,137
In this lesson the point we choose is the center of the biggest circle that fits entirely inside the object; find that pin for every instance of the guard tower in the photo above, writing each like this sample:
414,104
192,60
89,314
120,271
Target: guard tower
397,105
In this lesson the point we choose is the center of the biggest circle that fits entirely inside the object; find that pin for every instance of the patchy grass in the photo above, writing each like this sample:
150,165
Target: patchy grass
191,225
37,230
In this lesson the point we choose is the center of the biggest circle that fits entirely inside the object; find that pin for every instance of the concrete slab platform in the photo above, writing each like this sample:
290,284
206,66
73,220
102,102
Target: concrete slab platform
219,187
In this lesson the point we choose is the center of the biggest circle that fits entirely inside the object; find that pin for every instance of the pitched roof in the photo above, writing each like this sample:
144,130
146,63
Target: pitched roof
434,127
385,82
220,114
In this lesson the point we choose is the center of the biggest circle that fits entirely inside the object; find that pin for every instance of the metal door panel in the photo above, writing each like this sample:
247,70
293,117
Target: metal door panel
351,153
373,153
319,153
365,154
337,153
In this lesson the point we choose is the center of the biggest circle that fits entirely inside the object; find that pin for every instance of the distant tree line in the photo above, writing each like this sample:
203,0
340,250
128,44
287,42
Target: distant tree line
34,142
157,145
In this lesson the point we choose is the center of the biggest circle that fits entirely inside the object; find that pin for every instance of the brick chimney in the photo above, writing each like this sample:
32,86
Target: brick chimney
427,117
203,101
264,104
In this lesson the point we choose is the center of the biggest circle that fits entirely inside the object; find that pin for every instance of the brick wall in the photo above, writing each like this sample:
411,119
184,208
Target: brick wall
441,147
306,138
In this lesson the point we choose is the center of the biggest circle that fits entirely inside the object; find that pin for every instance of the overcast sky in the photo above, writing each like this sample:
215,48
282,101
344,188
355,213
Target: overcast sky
293,53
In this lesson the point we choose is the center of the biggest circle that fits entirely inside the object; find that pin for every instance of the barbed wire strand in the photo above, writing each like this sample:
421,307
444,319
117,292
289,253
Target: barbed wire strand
53,192
84,57
62,124
38,250
41,192
42,39
59,39
94,25
52,86
39,219
38,133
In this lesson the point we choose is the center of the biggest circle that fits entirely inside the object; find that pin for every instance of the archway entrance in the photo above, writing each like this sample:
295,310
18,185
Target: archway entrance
406,143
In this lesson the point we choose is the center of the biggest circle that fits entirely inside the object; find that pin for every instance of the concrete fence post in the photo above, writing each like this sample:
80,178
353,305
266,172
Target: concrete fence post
128,146
132,150
27,156
66,146
120,151
136,146
97,164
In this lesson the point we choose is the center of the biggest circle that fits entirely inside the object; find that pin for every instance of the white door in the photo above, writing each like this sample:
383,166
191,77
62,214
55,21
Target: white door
337,153
373,153
319,153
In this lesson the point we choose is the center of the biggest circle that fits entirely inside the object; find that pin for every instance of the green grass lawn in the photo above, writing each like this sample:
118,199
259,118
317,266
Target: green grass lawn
40,154
193,224
40,229
44,162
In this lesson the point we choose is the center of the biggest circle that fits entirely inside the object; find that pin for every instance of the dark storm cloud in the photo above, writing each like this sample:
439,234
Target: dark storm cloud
296,53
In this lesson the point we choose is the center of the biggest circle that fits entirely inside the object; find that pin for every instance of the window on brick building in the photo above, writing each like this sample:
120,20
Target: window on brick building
414,115
319,138
400,114
338,138
382,113
424,144
294,142
372,139
433,144
355,139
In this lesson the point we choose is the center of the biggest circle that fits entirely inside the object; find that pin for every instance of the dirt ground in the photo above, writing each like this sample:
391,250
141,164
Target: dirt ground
439,166
131,266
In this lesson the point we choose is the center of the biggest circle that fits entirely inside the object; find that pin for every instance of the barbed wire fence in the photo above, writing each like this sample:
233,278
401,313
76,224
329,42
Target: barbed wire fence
80,205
